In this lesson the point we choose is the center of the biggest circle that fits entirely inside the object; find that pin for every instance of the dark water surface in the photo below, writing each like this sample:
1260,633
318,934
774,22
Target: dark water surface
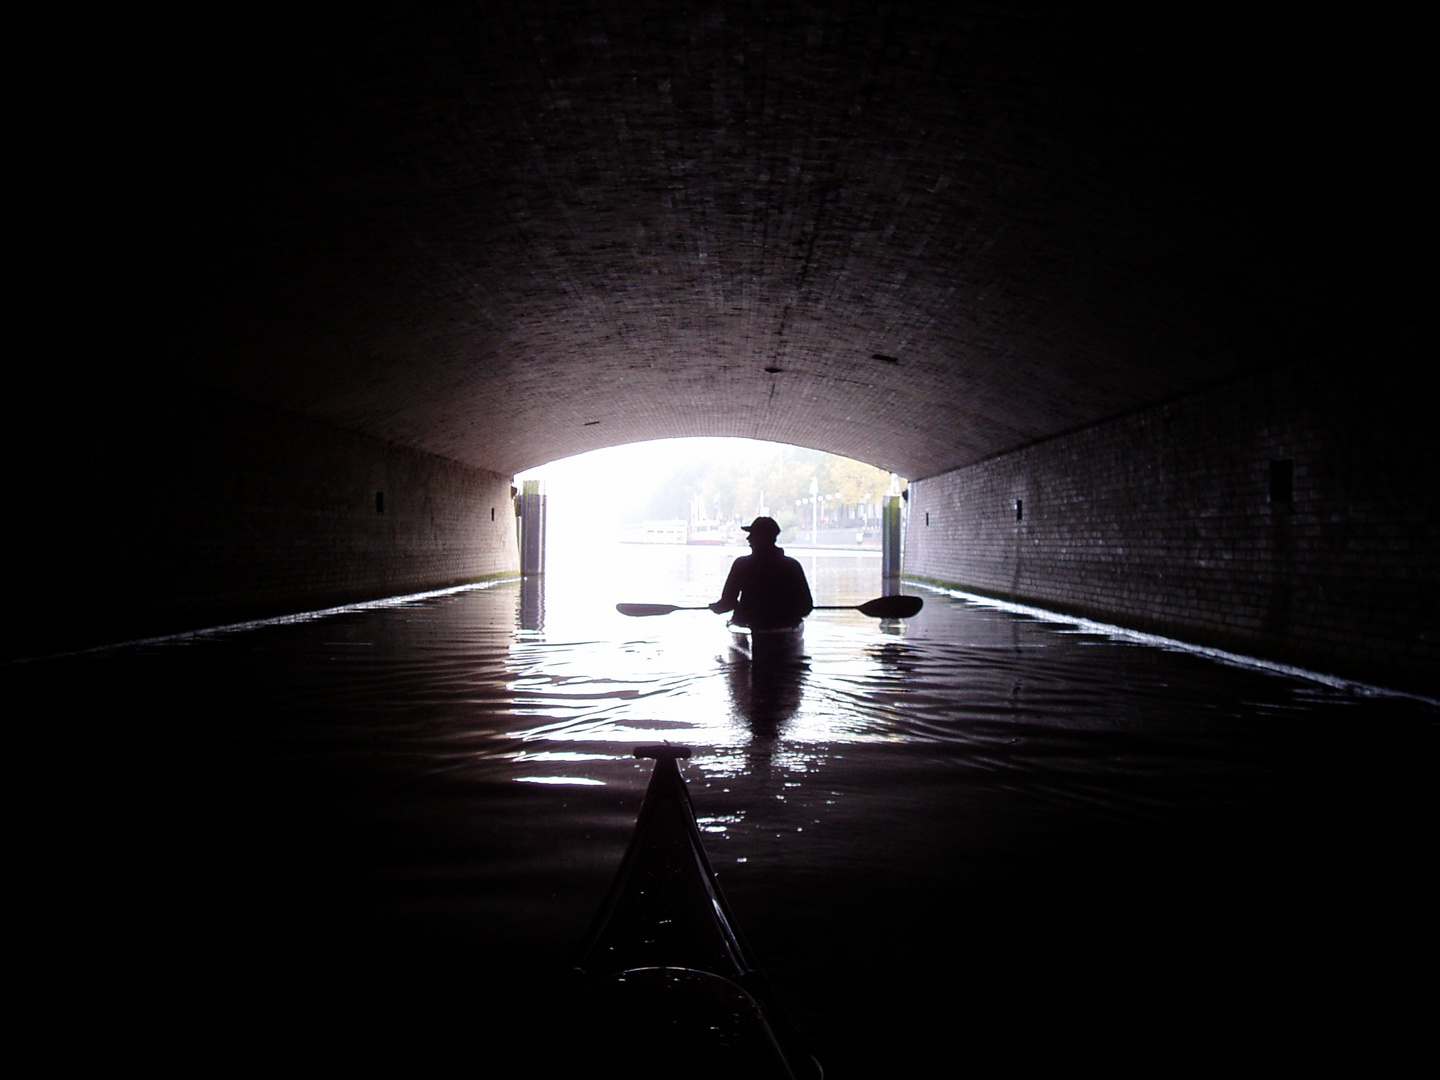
977,837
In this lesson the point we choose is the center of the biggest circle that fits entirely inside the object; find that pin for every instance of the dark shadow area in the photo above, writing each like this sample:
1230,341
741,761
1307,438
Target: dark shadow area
312,841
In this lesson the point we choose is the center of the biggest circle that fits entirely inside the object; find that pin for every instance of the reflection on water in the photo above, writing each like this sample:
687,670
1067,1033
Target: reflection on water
765,696
531,613
974,828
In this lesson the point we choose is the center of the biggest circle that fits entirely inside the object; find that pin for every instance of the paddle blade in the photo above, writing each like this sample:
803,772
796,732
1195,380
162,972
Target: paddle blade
892,607
645,609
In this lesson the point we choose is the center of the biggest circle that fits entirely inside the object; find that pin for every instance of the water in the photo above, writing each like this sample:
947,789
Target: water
977,836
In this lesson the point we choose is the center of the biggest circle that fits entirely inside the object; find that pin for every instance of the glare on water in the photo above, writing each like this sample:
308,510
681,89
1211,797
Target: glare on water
974,829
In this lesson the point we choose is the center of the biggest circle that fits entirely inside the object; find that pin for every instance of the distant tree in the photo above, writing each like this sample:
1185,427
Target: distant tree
736,489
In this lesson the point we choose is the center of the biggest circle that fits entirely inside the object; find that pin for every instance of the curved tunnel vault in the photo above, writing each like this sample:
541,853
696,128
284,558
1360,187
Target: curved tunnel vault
406,252
918,235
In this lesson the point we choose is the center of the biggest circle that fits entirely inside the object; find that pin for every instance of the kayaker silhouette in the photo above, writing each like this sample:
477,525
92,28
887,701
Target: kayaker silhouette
766,589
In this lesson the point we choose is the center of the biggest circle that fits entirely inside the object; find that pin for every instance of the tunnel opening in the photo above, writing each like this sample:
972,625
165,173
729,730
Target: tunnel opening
666,519
700,490
698,493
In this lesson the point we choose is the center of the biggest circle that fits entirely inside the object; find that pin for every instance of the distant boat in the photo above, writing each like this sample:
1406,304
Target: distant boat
656,532
704,530
707,533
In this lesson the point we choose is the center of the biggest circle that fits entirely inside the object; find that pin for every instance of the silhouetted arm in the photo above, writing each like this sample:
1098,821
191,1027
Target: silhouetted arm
729,595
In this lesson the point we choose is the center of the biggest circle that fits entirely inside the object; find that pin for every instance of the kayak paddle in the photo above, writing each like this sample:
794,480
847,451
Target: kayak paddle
882,607
655,609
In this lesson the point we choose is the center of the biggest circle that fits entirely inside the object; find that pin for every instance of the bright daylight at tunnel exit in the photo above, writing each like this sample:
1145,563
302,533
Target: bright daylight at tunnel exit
700,491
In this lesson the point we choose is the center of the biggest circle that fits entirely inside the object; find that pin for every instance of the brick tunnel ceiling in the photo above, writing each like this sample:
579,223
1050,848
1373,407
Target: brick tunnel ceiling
510,233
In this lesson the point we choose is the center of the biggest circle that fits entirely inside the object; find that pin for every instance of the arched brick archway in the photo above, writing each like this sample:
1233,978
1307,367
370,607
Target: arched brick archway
920,235
449,241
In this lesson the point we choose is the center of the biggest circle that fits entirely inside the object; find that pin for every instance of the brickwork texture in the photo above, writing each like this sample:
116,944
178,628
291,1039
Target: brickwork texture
157,508
854,227
1295,515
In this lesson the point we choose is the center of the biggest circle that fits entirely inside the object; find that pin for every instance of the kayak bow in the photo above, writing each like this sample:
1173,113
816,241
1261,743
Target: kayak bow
664,962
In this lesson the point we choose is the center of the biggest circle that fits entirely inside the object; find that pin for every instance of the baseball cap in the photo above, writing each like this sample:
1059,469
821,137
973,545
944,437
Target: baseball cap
763,526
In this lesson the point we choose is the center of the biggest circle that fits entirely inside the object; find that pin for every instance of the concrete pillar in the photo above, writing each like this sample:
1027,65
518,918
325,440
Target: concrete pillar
532,528
890,545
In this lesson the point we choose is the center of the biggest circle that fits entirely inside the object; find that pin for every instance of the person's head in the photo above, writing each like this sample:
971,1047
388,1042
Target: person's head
764,531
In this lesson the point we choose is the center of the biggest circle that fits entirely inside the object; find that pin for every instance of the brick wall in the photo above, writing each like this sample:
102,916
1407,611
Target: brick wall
1293,516
149,507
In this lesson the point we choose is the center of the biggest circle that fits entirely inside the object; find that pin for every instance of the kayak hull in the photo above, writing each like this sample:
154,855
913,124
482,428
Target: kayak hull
664,964
784,645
